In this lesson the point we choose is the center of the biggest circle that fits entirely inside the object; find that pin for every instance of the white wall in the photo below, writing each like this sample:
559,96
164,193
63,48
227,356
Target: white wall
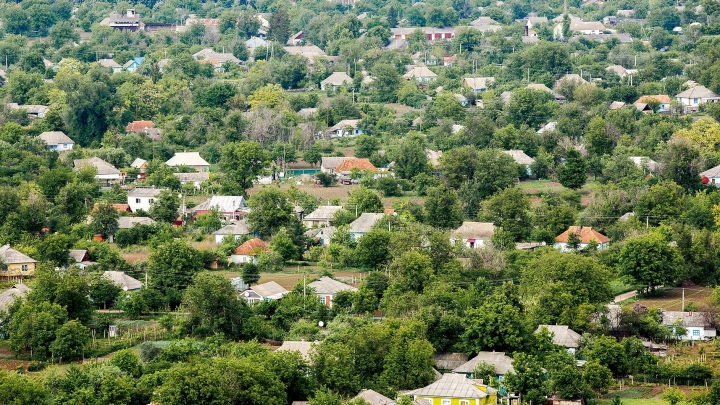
143,203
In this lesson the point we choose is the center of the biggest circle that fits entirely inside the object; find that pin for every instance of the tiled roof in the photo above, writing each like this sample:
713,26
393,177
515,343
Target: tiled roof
187,159
137,126
563,335
327,286
585,233
711,173
451,386
502,363
118,207
12,256
55,138
449,361
327,231
344,123
196,176
109,63
250,247
78,255
138,163
362,164
477,83
474,230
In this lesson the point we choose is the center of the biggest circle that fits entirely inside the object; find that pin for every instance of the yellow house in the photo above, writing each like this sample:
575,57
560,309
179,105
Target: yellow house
456,389
15,263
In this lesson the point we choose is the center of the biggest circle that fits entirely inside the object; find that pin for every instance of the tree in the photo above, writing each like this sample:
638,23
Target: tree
165,207
373,248
509,209
411,158
573,173
62,33
312,155
387,82
443,208
55,249
192,384
127,361
365,146
270,210
527,379
364,200
34,327
174,264
650,261
103,291
250,273
673,396
213,307
529,106
283,244
104,220
497,324
682,163
70,341
597,376
16,389
242,162
279,26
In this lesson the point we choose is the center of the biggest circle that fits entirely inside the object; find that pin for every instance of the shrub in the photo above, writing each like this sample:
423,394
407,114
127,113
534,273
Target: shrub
148,351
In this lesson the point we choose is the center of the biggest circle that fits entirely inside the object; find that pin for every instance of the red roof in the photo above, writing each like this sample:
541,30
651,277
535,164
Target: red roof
349,164
585,233
118,207
250,247
137,126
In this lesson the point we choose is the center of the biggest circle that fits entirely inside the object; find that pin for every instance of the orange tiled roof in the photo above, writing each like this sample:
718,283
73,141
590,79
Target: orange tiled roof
137,126
585,233
349,164
118,207
249,247
662,98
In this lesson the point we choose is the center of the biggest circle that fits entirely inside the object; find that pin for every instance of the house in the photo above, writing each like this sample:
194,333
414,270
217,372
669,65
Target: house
663,100
133,64
461,99
501,362
347,166
431,33
449,60
698,325
248,251
619,70
549,127
120,208
255,42
434,157
571,77
8,297
711,176
322,235
111,64
106,173
328,164
33,111
57,141
521,159
420,74
563,336
142,198
585,235
373,398
195,178
230,207
478,84
139,126
616,105
190,159
129,21
541,87
81,258
484,24
586,27
235,229
644,163
691,98
345,128
16,264
309,51
219,60
455,389
473,235
326,288
321,216
141,165
264,292
363,224
295,346
335,80
122,280
129,222
296,39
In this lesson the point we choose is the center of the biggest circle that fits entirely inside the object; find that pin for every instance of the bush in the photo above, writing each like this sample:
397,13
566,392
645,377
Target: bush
36,366
148,351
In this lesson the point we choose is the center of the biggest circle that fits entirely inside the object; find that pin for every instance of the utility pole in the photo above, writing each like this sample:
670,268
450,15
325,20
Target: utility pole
683,299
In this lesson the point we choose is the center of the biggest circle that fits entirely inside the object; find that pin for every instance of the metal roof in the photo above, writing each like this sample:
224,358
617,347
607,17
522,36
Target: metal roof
502,363
327,286
474,230
365,222
323,213
562,335
122,280
451,386
7,297
187,159
12,256
55,138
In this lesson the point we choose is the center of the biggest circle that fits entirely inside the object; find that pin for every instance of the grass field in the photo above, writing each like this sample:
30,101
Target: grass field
671,300
640,401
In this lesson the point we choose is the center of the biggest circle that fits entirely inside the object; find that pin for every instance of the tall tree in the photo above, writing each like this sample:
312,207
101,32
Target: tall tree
279,26
510,210
213,307
242,162
174,264
442,208
270,211
165,207
104,220
573,174
650,261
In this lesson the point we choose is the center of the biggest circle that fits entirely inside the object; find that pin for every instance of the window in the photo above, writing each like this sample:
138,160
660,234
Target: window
24,267
137,201
445,402
695,101
151,200
464,402
696,332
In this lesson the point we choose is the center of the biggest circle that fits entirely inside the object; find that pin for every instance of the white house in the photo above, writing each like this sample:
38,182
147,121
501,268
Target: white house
478,84
585,236
111,64
563,336
321,216
230,207
323,235
711,176
123,281
195,178
236,229
248,251
326,288
335,80
420,74
521,159
698,325
57,140
473,234
691,98
364,224
190,159
662,99
106,173
264,292
345,128
142,198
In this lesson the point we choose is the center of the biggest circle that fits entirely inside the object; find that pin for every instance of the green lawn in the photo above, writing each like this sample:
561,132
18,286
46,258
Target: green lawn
619,287
630,393
635,401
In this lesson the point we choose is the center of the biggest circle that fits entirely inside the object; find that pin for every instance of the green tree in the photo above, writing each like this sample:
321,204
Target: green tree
682,163
250,273
283,244
214,307
312,155
270,211
174,264
103,291
165,207
279,26
673,396
104,221
497,324
510,210
34,326
650,261
192,384
573,173
387,82
527,379
55,249
18,389
62,33
411,158
373,248
242,162
70,341
529,106
364,200
442,208
597,376
127,361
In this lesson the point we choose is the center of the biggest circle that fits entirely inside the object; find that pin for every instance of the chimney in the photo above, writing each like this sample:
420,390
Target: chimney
131,12
527,29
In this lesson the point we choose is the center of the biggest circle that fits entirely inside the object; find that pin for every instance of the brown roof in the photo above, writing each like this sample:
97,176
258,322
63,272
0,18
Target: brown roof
137,126
661,98
585,233
249,247
118,207
349,164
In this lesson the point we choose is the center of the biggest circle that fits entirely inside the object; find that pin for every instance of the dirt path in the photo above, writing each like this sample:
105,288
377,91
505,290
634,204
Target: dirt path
625,296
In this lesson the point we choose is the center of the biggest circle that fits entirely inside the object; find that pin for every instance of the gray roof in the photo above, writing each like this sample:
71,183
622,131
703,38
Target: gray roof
122,280
187,159
323,213
210,55
129,222
374,398
103,167
563,335
474,230
451,386
223,203
338,79
109,63
138,163
236,228
478,83
78,255
55,138
196,176
502,363
697,92
520,157
270,289
419,71
331,162
365,222
711,173
327,286
294,346
7,297
327,231
642,161
144,192
11,256
694,319
449,361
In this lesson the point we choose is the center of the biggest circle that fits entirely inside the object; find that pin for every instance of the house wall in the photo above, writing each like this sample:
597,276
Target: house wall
17,269
137,203
490,399
220,238
240,259
562,246
61,147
